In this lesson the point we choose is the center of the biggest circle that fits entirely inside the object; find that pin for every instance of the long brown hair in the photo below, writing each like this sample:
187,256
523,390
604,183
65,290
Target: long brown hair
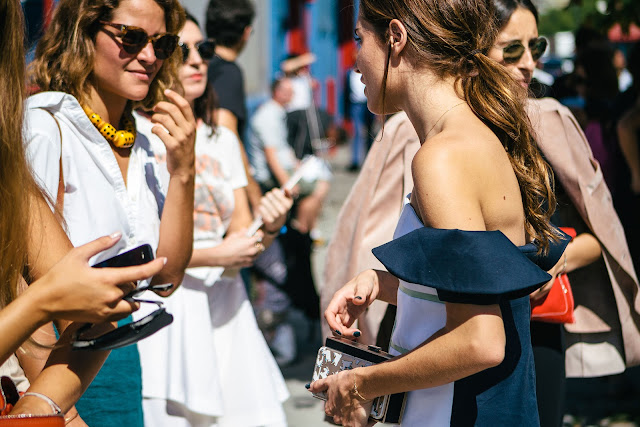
65,54
452,38
16,183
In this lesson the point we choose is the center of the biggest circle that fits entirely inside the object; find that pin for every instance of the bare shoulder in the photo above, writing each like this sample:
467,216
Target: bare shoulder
459,175
465,154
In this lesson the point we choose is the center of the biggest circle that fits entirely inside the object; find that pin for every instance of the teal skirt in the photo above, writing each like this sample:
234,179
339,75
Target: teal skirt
114,398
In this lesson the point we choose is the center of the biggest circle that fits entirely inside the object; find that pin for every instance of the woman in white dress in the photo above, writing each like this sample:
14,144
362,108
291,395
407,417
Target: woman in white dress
212,366
96,61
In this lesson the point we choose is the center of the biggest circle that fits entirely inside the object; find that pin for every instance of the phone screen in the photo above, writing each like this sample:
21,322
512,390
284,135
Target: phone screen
136,256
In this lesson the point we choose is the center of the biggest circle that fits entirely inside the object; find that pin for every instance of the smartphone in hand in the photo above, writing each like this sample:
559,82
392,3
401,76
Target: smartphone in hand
136,256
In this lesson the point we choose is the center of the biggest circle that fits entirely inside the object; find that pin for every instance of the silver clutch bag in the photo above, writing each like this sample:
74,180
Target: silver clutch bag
339,354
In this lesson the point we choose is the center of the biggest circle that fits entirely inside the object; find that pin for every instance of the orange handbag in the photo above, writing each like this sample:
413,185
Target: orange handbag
557,306
9,397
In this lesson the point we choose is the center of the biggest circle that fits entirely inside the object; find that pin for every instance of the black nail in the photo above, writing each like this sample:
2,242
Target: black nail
307,386
338,332
356,334
358,297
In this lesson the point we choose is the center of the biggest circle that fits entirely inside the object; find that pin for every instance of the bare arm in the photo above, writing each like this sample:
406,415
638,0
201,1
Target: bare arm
176,225
473,338
585,249
74,291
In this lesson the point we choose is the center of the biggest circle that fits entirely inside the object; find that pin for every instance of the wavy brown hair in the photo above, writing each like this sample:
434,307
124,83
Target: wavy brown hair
452,38
16,183
65,54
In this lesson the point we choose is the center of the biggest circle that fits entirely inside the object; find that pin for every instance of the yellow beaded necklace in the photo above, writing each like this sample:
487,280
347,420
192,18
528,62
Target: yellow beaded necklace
120,138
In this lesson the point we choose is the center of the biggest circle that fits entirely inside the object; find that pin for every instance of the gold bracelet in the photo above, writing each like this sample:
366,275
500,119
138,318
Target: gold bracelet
355,390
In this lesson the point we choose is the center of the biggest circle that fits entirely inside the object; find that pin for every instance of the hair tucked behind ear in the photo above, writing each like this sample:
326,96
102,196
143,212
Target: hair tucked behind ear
451,38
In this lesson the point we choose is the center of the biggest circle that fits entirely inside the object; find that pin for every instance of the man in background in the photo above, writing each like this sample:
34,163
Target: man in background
229,23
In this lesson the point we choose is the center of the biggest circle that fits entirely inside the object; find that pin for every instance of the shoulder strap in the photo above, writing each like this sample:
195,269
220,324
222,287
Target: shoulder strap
60,194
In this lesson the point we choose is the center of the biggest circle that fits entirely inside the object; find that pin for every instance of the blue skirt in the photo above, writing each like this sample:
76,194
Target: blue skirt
114,398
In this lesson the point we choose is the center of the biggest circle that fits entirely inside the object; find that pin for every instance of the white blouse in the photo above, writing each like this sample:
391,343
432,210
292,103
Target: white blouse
97,202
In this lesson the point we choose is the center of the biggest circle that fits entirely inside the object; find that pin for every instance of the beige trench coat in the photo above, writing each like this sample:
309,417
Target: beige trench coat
606,334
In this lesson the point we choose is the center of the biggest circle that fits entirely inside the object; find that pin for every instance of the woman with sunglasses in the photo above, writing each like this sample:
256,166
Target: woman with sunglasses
461,335
96,61
232,378
597,260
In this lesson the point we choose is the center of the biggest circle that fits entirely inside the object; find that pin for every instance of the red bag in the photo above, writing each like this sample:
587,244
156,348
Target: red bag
9,397
557,306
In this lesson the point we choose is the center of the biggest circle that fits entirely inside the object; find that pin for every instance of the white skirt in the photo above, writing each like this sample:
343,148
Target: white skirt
212,361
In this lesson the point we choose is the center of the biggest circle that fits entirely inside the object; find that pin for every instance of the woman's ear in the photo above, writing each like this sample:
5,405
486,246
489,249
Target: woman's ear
397,36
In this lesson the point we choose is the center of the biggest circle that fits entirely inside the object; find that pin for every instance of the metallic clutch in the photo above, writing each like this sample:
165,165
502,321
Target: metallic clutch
339,354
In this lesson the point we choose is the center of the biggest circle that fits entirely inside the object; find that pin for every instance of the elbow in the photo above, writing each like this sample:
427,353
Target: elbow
487,351
173,278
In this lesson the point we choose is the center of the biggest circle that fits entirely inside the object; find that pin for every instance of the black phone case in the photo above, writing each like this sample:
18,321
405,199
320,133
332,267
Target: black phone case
136,256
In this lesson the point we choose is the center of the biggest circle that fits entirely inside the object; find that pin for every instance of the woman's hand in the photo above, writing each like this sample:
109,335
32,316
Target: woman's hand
541,293
274,207
72,290
179,133
343,404
237,250
350,302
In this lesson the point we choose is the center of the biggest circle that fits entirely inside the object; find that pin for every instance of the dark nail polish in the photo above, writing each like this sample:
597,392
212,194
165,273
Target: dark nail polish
356,334
358,297
307,386
338,332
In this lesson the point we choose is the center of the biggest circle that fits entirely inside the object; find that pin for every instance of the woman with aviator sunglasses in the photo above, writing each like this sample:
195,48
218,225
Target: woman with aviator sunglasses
597,260
211,307
98,60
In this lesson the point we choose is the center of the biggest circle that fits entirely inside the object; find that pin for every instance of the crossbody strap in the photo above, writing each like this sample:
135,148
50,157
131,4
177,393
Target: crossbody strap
60,194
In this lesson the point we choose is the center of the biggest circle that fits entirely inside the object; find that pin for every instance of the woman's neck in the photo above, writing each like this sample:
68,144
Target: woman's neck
108,106
426,99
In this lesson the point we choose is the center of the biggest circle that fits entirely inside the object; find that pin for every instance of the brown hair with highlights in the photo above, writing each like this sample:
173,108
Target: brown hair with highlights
16,183
451,38
65,54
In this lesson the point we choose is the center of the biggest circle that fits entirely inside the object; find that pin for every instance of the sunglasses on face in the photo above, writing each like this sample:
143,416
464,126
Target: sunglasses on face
206,49
514,51
134,39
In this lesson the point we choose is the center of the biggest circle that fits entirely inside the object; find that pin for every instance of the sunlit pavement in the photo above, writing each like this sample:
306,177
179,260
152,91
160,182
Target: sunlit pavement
302,409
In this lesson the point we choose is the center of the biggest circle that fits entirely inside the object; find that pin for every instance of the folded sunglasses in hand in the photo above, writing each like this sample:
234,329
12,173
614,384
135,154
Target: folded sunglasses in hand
132,332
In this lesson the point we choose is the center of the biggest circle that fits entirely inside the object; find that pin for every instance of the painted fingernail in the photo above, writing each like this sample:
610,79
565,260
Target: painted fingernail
307,386
115,235
338,332
358,297
164,261
356,334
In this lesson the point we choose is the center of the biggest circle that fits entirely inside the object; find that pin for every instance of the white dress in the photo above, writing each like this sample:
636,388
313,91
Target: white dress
212,366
